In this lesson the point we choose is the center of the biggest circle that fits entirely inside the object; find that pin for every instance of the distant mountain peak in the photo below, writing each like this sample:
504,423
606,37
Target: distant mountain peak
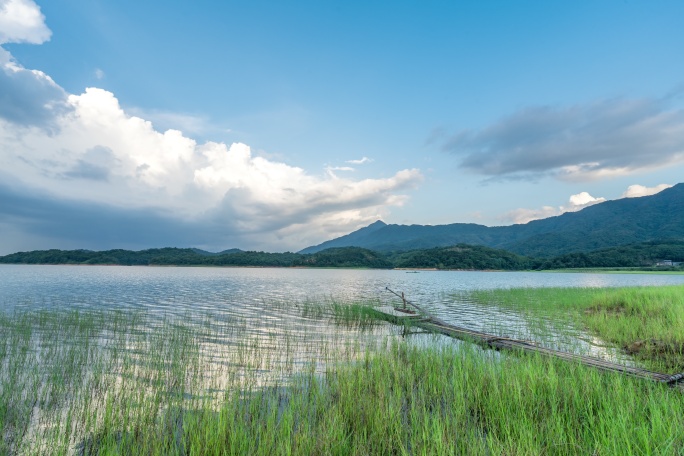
609,224
349,239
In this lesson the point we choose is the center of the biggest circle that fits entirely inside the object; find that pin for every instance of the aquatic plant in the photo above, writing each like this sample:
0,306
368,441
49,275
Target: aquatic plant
110,382
646,322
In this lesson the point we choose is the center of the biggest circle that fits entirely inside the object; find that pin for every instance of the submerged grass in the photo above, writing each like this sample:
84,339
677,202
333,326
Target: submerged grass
103,382
407,400
646,322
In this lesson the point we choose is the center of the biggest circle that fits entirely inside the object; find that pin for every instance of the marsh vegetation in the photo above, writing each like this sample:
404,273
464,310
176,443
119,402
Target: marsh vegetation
109,382
646,323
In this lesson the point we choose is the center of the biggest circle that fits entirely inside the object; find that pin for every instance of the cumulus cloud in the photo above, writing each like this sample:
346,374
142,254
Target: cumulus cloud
79,170
582,200
22,22
635,191
575,203
29,97
607,138
100,156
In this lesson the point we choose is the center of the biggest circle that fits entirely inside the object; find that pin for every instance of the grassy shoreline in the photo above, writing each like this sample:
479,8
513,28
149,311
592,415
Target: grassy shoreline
646,322
106,382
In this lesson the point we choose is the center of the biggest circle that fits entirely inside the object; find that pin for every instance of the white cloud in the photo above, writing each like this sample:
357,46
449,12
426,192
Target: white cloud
84,155
575,203
635,191
360,161
582,200
99,74
28,97
22,22
100,154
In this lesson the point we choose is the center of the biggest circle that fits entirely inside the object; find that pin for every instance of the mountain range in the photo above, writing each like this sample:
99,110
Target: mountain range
608,224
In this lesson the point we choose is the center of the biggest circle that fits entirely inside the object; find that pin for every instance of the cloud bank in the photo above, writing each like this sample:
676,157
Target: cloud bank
77,170
575,203
608,138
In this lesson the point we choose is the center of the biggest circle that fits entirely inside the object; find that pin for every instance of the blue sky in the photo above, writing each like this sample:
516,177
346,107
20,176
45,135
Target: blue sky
276,125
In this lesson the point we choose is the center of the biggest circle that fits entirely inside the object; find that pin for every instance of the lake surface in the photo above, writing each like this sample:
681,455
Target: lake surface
180,337
179,289
269,299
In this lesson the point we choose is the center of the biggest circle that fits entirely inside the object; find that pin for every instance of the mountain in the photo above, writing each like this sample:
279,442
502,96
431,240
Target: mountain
349,240
609,224
462,256
641,255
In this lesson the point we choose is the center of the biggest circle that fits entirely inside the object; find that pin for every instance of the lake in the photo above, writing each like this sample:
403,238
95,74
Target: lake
268,298
91,351
183,289
76,339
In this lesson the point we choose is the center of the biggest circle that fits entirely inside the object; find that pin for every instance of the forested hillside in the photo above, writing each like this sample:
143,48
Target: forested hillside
344,257
609,224
460,256
634,255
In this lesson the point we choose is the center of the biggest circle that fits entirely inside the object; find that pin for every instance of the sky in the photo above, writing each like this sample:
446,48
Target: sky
278,125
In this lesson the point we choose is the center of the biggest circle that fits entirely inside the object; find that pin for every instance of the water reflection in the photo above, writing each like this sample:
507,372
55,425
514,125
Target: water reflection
266,299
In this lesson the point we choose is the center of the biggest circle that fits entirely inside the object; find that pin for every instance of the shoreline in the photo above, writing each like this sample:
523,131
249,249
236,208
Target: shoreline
564,271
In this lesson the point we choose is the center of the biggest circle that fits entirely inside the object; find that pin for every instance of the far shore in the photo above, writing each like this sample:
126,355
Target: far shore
568,271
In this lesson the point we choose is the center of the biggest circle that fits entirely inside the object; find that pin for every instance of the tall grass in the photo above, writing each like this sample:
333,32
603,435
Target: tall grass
104,382
406,400
647,322
67,375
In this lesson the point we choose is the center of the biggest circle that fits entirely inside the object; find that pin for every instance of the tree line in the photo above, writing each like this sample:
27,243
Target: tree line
460,256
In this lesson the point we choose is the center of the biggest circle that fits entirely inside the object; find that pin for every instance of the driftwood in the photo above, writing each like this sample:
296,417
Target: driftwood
428,322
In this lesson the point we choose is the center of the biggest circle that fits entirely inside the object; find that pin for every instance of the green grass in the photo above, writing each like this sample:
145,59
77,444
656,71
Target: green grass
646,322
427,401
627,270
105,382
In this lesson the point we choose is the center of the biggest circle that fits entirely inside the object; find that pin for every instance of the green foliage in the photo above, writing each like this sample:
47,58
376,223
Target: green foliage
344,257
646,322
462,256
634,255
111,383
165,256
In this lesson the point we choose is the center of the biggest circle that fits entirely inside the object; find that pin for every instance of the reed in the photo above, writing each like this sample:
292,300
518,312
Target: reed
646,322
321,381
